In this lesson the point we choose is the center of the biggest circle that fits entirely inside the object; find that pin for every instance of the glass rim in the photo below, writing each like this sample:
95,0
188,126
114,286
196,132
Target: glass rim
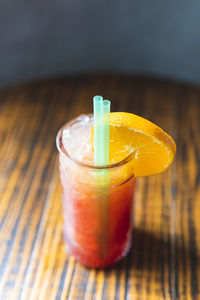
63,151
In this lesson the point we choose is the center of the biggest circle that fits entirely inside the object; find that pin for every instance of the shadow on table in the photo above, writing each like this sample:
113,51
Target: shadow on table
161,257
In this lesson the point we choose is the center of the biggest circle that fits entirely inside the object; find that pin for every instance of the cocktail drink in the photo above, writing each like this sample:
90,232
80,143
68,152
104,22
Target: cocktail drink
97,201
98,196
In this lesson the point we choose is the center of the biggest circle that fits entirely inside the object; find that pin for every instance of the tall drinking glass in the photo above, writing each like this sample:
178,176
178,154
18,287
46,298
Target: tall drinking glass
97,203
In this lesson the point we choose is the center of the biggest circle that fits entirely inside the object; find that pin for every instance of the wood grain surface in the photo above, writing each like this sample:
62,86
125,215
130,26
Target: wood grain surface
164,260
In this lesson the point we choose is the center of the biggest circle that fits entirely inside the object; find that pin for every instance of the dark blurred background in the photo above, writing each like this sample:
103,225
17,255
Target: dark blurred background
43,39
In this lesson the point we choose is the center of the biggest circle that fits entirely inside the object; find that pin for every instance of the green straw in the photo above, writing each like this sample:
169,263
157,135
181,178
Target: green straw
106,114
98,130
101,131
101,158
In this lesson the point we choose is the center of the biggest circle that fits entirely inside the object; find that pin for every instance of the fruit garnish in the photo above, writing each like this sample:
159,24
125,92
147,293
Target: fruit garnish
153,149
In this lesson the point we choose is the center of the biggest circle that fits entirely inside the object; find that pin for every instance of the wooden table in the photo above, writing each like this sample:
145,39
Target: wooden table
164,260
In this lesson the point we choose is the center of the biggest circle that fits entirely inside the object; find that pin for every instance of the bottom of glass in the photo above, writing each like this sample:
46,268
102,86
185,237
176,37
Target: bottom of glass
94,260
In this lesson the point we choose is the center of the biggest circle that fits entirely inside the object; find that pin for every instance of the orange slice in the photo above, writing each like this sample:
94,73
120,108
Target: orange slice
153,149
